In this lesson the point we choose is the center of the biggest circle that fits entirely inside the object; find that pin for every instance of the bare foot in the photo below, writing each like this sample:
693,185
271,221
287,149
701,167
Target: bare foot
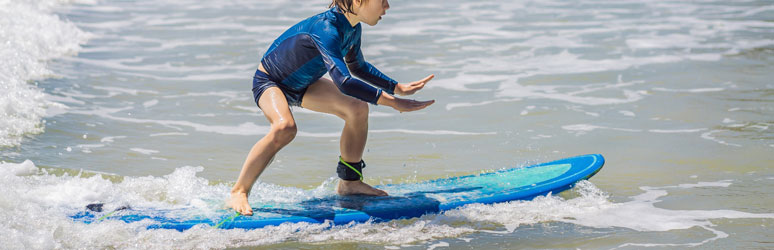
238,202
357,187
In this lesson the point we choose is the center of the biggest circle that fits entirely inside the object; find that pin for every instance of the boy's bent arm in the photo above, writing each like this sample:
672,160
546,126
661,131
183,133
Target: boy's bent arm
364,70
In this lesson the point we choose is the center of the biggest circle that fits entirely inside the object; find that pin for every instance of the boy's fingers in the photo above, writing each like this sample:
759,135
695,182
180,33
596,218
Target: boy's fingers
417,105
426,102
410,88
416,86
428,78
425,80
413,105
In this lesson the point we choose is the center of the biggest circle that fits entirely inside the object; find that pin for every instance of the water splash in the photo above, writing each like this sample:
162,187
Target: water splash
31,36
36,205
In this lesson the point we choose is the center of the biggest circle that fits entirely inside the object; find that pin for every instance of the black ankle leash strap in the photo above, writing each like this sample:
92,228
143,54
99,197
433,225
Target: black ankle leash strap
350,171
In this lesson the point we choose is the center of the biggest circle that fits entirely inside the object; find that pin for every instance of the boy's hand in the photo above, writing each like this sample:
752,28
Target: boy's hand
411,88
408,105
402,105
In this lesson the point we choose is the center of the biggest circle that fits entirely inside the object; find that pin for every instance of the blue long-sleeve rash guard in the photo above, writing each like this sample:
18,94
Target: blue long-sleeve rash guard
324,43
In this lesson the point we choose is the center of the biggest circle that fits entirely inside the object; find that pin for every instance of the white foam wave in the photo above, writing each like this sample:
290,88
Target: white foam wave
131,65
247,128
150,103
429,132
144,151
627,113
562,63
451,106
708,136
403,131
580,129
111,139
86,148
31,36
672,131
167,134
21,169
593,209
699,90
114,91
461,81
35,206
573,94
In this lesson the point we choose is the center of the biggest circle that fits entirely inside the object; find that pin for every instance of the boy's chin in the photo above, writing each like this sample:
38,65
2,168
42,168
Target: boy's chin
372,23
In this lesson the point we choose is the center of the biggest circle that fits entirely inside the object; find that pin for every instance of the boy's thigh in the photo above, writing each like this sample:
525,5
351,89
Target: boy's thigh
274,105
324,96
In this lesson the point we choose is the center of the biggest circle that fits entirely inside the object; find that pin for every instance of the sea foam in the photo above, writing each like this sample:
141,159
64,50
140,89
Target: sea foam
35,206
32,35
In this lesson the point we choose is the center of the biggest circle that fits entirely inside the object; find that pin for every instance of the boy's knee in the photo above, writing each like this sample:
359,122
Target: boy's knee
284,131
358,110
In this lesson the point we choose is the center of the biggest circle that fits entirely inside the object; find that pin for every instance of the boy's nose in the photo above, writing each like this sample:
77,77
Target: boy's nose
386,4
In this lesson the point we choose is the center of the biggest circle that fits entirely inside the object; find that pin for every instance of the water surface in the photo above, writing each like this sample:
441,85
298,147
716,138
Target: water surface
149,103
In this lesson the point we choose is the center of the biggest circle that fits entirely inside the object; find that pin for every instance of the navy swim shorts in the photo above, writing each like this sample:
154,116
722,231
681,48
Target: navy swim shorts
261,82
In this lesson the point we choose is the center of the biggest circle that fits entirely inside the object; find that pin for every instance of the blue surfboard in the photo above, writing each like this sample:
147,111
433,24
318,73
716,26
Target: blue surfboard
405,200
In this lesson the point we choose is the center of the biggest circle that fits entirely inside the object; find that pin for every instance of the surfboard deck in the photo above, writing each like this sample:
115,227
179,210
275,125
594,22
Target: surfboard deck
405,200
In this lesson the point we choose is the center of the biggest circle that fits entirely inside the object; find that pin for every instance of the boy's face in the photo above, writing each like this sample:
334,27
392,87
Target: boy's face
371,11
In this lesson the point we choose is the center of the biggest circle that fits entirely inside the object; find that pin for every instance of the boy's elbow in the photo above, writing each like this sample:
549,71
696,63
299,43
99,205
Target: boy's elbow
355,69
345,85
353,87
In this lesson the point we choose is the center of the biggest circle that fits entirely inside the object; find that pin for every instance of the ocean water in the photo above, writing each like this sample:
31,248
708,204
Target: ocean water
148,103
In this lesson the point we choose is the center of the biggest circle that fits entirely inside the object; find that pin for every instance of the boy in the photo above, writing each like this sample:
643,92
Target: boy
290,74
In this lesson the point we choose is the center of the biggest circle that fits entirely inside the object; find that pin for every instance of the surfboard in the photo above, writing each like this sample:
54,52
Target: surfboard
405,201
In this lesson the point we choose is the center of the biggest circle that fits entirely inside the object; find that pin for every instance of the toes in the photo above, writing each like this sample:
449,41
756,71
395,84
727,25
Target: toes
243,209
377,192
247,210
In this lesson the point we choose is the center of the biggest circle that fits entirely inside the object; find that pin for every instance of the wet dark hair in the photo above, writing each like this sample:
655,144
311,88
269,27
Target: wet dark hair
344,5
